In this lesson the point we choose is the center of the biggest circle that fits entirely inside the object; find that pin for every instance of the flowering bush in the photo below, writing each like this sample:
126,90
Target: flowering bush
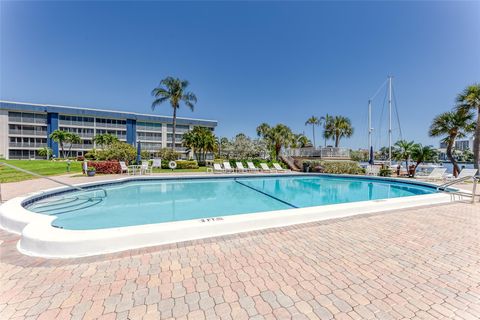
106,167
337,167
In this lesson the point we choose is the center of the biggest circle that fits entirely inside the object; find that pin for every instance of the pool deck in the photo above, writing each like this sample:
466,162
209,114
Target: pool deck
421,263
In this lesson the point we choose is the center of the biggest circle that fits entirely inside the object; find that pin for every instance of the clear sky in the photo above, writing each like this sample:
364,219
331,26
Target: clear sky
247,62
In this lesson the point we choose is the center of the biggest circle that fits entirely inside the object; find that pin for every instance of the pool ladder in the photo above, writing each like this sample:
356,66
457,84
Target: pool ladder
51,179
476,179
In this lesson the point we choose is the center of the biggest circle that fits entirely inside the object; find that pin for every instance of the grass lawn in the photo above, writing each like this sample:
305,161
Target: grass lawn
43,167
50,168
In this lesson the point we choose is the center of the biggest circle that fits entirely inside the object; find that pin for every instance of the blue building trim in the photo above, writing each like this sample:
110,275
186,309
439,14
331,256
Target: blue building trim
131,131
18,106
52,125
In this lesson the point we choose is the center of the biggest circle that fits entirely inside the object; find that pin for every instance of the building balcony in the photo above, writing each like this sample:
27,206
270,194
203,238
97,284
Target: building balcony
27,132
32,145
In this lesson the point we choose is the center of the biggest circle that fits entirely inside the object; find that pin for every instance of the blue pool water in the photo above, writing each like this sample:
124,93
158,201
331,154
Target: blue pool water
156,201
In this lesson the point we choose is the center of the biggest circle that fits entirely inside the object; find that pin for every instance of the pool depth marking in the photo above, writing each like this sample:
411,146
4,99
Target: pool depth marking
264,193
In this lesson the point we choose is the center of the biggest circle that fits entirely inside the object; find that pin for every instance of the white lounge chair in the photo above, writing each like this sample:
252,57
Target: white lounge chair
463,174
227,167
124,167
157,163
251,167
265,168
436,174
279,168
372,170
145,169
240,167
217,168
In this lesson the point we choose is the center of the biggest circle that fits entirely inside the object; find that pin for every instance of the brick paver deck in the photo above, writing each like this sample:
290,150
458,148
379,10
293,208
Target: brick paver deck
419,263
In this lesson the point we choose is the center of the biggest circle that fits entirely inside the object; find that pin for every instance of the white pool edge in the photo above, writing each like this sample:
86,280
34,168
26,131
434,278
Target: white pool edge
39,238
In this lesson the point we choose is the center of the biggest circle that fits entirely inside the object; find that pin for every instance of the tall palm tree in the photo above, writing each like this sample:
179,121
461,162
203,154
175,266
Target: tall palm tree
324,120
277,137
60,137
313,121
173,90
422,153
404,150
105,139
453,124
72,138
338,127
469,99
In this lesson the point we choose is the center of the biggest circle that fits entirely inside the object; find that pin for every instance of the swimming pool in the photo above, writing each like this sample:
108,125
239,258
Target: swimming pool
157,201
147,211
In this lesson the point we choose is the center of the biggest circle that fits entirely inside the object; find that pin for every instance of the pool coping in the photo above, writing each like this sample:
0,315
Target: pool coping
40,238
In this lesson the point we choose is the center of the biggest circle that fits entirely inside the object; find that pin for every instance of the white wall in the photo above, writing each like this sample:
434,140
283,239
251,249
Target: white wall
4,133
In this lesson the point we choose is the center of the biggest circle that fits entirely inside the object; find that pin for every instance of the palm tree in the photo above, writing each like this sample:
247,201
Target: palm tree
45,152
423,154
105,139
338,127
404,150
60,137
200,140
173,90
453,124
324,120
277,137
300,141
71,139
313,121
469,99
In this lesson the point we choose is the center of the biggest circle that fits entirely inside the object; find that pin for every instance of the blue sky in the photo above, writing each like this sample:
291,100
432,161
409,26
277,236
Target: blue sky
248,62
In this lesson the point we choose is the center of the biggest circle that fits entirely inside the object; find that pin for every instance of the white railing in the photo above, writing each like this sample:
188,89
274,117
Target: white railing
326,152
27,144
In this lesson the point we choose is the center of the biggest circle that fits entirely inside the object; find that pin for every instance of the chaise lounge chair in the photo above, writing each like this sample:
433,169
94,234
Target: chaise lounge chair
227,167
463,174
279,168
240,167
436,174
251,167
265,168
146,169
217,168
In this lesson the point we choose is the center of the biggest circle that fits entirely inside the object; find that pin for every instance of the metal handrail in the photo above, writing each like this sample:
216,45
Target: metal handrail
444,186
54,180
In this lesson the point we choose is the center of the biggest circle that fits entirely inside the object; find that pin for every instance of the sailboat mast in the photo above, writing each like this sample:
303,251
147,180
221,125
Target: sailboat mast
369,125
390,120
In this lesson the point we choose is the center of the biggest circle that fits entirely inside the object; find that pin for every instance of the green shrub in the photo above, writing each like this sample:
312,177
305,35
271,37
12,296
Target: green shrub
167,155
119,151
181,164
337,167
385,172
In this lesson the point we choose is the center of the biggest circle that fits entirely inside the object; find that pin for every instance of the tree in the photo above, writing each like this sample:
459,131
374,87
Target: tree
337,127
469,99
301,141
422,154
200,140
72,138
324,120
105,139
313,121
173,90
454,124
276,137
60,137
120,151
403,150
45,152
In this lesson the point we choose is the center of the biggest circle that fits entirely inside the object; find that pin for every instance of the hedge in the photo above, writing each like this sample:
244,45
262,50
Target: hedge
106,167
336,167
181,164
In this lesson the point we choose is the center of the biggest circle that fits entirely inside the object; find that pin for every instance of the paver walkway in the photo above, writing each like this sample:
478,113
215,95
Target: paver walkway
419,263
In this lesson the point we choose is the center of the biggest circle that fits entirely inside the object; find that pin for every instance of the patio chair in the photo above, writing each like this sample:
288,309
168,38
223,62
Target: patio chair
157,163
279,168
240,167
251,167
436,174
217,168
372,170
463,174
227,167
146,168
124,167
265,168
